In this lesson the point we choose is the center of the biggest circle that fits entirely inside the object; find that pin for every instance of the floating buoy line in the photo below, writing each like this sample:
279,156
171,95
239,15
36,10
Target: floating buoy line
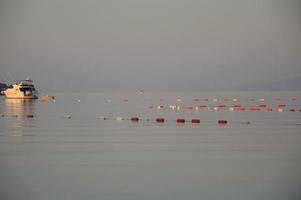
223,107
160,120
253,105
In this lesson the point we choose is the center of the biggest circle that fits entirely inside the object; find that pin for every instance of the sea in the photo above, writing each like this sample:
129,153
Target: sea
88,146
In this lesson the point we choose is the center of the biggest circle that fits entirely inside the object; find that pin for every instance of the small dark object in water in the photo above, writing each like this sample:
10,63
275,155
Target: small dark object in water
135,119
195,121
160,120
180,120
29,115
222,121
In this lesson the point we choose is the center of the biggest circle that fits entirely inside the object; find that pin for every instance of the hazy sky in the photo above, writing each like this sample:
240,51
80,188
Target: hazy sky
104,45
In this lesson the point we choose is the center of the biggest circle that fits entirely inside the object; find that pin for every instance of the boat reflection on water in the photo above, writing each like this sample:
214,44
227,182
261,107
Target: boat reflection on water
19,112
19,107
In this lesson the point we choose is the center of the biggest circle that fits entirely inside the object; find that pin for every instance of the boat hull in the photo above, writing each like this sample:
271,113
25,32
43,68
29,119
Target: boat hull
19,95
16,96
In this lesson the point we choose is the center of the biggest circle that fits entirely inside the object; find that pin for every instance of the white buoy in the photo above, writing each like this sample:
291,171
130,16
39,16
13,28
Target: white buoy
119,118
159,107
173,107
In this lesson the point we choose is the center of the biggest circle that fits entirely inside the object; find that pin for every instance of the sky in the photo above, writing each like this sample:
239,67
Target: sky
157,45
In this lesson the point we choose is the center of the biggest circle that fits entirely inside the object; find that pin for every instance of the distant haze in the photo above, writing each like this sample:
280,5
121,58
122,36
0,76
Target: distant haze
114,45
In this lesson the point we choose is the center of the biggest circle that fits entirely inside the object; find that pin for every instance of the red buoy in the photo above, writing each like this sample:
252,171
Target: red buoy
29,115
292,110
236,105
195,121
222,121
135,119
160,120
189,107
262,105
281,106
270,109
180,120
254,109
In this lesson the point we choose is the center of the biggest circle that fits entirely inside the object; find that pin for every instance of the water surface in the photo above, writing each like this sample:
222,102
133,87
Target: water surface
51,156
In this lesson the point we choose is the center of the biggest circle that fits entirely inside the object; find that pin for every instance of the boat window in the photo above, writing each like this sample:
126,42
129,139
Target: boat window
25,89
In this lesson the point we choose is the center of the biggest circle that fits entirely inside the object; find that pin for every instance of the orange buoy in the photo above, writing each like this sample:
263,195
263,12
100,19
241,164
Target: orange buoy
135,119
270,109
160,120
222,121
195,121
180,120
242,109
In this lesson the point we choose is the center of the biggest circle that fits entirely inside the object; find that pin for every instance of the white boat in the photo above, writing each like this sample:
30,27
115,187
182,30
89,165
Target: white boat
21,90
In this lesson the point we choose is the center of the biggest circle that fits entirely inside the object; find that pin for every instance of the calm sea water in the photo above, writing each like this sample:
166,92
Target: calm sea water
52,157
